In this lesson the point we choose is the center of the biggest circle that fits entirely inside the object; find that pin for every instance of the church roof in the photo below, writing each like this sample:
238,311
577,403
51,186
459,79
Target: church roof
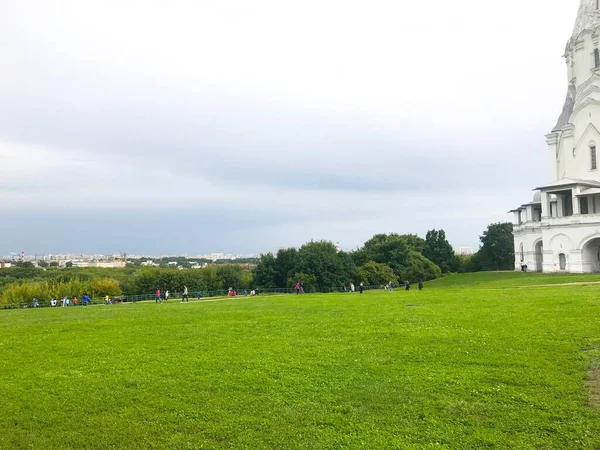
566,182
567,111
588,17
591,191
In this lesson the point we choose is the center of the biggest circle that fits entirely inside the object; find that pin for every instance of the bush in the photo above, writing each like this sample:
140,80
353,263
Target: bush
376,274
419,268
44,291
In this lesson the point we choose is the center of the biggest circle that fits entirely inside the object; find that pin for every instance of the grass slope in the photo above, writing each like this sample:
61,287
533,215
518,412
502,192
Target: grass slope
501,280
470,368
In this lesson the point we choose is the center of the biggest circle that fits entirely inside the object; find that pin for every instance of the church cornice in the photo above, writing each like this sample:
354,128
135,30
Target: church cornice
590,127
587,102
582,94
595,77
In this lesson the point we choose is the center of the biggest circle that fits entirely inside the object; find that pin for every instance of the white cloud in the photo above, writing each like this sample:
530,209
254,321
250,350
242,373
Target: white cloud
417,112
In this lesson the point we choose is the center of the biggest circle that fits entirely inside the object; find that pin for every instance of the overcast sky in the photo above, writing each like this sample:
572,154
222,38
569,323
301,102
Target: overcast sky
166,126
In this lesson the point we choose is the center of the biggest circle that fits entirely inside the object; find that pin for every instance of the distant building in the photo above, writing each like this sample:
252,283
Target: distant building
465,251
150,264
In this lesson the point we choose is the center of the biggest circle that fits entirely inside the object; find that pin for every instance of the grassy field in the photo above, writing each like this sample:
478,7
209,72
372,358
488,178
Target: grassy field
472,362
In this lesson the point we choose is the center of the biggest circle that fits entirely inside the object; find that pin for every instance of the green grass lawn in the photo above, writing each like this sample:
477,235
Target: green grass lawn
473,366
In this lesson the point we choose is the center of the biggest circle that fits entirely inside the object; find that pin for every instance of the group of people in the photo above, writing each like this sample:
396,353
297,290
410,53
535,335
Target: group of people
406,285
85,299
185,297
65,302
352,289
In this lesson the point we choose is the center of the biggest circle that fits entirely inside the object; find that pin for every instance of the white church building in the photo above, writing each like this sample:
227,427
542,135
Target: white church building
559,230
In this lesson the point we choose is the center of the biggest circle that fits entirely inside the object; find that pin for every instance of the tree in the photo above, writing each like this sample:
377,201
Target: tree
309,282
69,264
374,274
330,268
265,272
439,251
390,249
287,259
497,247
230,276
419,268
42,263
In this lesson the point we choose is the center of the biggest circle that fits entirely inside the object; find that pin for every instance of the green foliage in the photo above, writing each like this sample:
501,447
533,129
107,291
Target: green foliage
330,268
230,276
419,268
376,274
309,282
265,273
497,247
44,291
149,279
391,249
439,251
286,262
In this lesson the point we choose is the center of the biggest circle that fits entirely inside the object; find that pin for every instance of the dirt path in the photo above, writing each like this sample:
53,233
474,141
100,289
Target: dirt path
579,283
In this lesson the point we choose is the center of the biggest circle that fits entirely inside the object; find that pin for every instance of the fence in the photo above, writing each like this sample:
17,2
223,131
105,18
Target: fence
134,298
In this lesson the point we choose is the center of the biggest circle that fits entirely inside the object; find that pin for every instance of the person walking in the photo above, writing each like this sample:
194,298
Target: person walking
166,296
185,297
420,285
158,297
298,288
35,303
65,301
75,301
361,287
390,286
408,285
352,288
85,299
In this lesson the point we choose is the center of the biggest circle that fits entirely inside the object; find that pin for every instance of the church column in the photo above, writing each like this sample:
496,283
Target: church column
545,206
559,205
576,208
529,213
516,220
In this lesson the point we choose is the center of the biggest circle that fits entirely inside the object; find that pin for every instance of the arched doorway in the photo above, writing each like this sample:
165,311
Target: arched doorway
539,256
521,254
591,256
562,261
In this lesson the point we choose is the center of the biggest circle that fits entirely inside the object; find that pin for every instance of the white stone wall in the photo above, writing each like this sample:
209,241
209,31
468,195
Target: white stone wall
576,237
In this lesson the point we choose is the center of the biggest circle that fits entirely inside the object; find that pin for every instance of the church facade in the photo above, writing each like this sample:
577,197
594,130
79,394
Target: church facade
559,230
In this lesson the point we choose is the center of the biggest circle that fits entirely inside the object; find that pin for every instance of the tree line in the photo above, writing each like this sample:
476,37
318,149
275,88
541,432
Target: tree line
320,267
383,258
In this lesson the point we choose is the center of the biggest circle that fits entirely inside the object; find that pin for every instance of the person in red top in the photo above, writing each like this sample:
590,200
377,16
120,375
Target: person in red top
158,298
75,301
